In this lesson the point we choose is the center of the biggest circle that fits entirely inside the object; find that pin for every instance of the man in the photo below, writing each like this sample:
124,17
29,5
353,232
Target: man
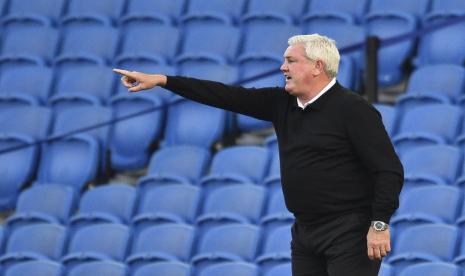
340,175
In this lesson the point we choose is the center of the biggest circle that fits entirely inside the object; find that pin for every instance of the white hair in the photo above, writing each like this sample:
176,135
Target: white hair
319,47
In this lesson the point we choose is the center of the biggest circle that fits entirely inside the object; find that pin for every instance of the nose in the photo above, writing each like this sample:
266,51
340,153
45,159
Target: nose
283,67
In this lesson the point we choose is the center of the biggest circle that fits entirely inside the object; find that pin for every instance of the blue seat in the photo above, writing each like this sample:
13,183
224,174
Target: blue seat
167,242
273,178
420,126
38,86
99,83
164,8
43,204
16,101
33,121
411,247
167,203
460,256
98,269
88,37
355,8
447,6
276,248
231,9
389,115
431,165
149,37
36,41
347,72
164,268
276,213
414,7
185,115
203,68
280,270
111,203
432,269
385,270
109,8
99,242
38,268
440,83
177,164
52,9
18,166
460,222
432,204
131,140
277,6
221,204
82,160
231,269
391,58
239,164
229,242
431,48
311,22
34,242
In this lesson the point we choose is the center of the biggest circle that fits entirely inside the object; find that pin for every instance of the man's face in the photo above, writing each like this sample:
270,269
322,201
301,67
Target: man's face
298,70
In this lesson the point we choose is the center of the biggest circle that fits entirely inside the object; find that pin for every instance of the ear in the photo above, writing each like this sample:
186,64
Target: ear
319,68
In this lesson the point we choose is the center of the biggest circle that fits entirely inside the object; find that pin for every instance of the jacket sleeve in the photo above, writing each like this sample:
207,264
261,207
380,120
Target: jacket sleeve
257,103
373,146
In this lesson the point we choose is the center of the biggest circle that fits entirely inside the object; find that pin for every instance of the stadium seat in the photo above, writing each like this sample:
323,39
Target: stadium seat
385,270
280,270
440,83
16,101
205,68
276,248
167,242
37,268
460,257
228,8
99,269
347,73
239,164
82,159
432,204
164,268
231,269
109,8
149,38
277,6
50,8
273,178
221,204
411,247
389,115
447,6
354,8
185,115
421,126
431,48
391,59
38,86
131,140
99,242
276,213
432,269
414,7
312,22
43,204
33,121
173,9
431,165
110,203
229,242
34,242
17,166
177,164
167,203
29,38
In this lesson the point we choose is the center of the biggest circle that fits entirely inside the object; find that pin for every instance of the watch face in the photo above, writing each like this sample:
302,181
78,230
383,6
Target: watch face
378,225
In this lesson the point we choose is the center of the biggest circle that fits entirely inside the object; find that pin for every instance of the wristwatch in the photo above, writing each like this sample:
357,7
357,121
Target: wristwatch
379,225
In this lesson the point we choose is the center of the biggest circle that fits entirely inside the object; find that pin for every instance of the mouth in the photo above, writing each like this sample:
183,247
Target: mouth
287,77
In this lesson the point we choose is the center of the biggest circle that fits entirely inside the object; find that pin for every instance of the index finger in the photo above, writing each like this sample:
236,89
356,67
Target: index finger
124,72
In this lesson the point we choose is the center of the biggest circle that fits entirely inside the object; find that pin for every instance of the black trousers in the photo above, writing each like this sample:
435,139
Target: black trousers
334,248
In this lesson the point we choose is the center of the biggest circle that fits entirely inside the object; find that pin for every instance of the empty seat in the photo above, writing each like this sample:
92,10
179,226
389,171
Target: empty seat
167,242
433,204
276,213
98,269
170,8
50,8
131,140
347,73
414,7
231,269
109,8
280,270
447,6
432,269
111,203
171,268
177,164
389,115
167,203
420,126
99,242
277,6
276,249
431,165
411,247
385,270
34,242
228,8
38,86
230,242
440,83
43,204
354,8
16,101
33,121
38,268
203,68
239,164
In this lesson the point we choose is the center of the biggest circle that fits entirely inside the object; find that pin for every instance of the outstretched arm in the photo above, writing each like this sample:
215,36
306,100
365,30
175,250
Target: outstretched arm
137,81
